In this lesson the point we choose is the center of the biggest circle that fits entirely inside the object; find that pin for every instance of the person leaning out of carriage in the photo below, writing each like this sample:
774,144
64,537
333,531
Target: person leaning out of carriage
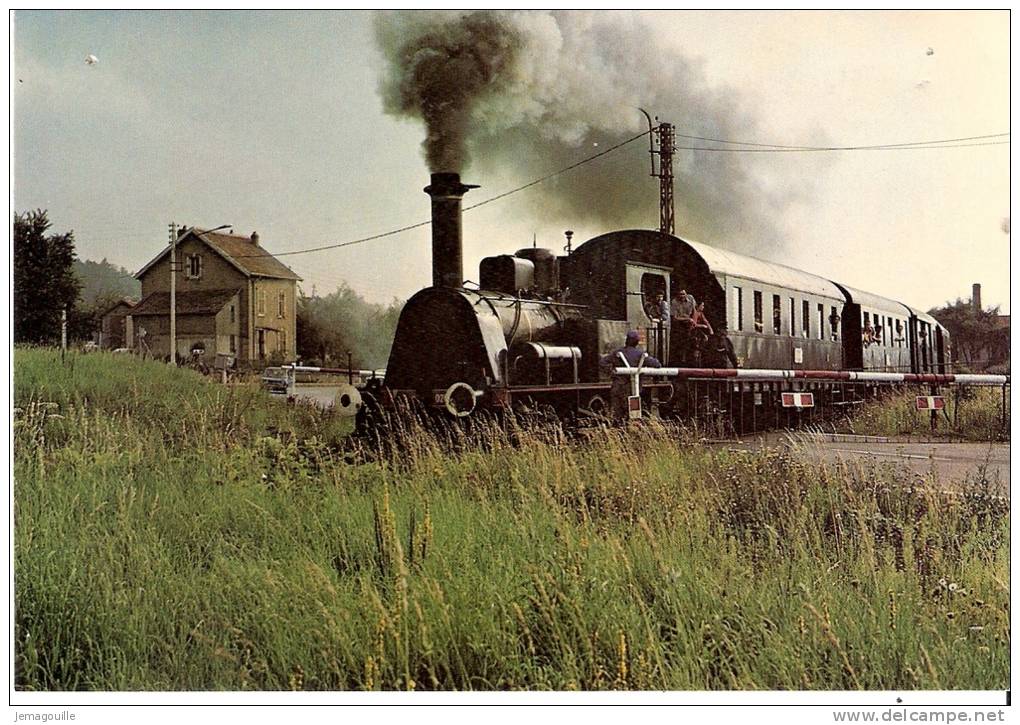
630,355
682,309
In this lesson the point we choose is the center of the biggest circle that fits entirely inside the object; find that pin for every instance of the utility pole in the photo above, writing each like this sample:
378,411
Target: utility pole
63,333
665,134
667,144
173,293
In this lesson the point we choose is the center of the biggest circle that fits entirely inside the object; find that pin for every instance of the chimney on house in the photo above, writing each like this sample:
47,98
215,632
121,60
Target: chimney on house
975,299
255,238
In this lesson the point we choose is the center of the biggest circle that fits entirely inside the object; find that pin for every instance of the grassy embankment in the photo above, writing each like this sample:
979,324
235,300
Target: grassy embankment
971,414
171,534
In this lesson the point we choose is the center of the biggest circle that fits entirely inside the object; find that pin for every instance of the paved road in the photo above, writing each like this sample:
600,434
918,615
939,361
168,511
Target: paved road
953,461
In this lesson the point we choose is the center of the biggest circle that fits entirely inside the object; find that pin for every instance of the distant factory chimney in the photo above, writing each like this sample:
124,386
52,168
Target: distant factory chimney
255,238
975,299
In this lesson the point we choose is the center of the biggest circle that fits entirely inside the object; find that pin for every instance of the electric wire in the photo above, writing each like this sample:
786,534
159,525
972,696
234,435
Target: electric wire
489,200
843,148
756,147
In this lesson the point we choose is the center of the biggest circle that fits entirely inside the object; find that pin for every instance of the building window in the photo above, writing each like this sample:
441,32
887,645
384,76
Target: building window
233,344
281,307
283,342
738,308
777,315
193,266
233,315
260,303
806,321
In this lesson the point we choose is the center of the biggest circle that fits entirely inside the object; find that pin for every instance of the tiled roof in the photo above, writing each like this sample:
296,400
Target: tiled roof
251,259
196,302
122,301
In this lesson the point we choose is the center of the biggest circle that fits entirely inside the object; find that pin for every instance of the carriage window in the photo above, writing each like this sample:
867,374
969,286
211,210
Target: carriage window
738,308
834,323
806,318
821,322
793,317
879,328
759,324
777,315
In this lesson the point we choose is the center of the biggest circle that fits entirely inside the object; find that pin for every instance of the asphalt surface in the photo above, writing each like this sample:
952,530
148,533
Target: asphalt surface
951,461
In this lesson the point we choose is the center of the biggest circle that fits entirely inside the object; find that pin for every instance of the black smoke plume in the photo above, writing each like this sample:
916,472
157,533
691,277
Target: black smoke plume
538,90
441,66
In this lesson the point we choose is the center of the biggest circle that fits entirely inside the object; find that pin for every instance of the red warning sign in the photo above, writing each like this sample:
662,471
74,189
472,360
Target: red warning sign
930,402
798,400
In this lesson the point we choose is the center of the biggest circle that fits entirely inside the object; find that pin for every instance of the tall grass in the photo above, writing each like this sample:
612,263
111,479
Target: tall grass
970,414
163,542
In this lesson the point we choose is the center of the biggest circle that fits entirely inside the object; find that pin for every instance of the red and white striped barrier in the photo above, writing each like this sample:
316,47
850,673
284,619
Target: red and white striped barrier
798,400
751,375
930,402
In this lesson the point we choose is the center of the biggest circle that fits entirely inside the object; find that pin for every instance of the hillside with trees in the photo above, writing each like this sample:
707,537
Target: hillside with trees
102,280
328,327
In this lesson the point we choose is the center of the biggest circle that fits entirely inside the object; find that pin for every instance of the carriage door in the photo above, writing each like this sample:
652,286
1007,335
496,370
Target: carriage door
644,283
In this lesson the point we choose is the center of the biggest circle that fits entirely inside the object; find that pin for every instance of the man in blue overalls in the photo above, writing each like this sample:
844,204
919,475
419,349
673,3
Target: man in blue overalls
630,355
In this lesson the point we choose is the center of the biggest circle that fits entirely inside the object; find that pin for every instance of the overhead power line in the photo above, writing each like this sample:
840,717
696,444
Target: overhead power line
960,142
803,147
467,208
838,148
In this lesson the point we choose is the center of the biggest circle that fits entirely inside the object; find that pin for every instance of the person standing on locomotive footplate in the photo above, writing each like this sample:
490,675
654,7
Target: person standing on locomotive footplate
682,311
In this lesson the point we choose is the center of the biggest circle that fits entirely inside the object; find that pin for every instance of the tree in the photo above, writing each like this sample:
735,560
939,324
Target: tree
329,327
44,280
978,337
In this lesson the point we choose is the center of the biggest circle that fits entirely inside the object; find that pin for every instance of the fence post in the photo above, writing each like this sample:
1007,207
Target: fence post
1003,421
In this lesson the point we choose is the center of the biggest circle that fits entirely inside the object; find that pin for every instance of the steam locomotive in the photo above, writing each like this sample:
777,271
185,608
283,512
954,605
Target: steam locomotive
535,329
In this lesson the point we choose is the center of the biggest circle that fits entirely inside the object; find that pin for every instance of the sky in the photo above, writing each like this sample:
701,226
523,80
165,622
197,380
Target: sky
274,121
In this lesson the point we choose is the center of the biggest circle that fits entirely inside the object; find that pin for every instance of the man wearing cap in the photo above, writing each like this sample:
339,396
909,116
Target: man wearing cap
630,355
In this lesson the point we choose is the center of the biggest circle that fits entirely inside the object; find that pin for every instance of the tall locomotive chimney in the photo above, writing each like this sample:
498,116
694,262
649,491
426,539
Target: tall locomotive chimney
447,251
